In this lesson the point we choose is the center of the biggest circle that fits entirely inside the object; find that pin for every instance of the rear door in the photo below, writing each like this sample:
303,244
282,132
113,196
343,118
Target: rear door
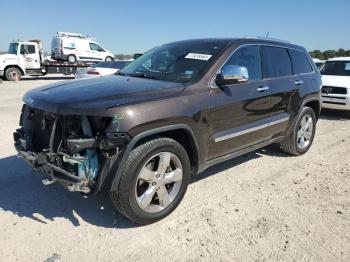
278,76
239,111
303,71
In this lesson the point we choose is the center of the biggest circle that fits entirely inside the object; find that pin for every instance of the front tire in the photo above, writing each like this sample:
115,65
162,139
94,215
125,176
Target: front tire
153,181
72,59
302,136
13,74
108,59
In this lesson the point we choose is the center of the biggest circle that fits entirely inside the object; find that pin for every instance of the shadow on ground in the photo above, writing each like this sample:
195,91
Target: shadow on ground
23,194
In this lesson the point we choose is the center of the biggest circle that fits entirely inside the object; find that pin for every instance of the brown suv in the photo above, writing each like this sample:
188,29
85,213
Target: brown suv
171,113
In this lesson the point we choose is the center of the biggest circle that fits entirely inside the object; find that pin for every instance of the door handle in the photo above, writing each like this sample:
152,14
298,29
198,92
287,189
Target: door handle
263,88
298,82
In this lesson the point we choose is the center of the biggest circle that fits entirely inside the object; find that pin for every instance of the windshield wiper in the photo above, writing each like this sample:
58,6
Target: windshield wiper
144,75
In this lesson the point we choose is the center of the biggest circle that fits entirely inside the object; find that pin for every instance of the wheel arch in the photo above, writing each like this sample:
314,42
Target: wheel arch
15,66
181,133
314,105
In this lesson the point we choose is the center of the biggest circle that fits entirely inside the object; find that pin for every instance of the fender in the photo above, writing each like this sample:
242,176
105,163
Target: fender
305,101
143,135
16,66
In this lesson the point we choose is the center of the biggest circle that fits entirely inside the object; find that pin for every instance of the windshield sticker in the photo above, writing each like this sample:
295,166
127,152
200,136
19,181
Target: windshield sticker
198,56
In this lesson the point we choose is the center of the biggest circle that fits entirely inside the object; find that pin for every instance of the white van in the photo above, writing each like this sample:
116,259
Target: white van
73,47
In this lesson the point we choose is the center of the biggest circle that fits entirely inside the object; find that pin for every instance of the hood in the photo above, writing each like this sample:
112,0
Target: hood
5,57
339,81
91,96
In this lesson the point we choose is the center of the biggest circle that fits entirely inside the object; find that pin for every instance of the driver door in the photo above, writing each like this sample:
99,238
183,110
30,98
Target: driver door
29,56
240,112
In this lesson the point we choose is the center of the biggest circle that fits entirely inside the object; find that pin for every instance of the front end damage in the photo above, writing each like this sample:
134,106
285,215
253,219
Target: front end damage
70,149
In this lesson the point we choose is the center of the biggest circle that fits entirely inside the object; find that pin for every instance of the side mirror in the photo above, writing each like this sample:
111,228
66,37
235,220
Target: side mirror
232,74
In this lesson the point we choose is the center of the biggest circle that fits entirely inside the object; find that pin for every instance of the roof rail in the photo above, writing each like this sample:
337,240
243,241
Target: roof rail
266,38
70,34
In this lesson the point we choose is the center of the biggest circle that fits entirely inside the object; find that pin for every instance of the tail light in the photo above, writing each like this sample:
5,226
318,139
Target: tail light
93,72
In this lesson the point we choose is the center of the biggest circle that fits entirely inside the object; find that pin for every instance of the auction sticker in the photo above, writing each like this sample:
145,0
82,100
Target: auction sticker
198,56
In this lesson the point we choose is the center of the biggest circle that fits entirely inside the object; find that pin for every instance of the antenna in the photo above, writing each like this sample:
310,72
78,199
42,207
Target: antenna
267,34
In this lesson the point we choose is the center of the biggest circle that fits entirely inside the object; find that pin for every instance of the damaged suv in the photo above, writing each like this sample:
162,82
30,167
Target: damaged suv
171,113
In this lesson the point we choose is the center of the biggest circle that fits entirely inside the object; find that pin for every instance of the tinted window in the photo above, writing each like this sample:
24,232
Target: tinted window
276,62
300,62
339,68
248,56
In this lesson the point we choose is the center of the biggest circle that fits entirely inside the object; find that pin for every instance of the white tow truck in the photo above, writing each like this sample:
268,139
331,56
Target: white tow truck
26,58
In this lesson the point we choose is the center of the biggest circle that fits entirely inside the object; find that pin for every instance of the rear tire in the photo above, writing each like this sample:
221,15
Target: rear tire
302,136
71,59
13,74
157,170
108,59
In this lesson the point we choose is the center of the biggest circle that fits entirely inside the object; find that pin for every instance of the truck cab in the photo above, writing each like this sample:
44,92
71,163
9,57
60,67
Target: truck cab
23,57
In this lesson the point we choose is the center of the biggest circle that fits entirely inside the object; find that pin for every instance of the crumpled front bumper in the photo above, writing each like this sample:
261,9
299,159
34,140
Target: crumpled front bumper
45,161
40,161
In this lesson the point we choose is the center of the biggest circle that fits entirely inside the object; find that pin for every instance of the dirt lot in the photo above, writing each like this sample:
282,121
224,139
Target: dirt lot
265,206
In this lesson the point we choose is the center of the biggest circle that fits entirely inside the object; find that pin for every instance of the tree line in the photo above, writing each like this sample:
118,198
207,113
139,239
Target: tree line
329,53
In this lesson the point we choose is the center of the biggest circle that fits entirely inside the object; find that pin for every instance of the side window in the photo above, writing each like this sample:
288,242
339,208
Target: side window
31,49
301,63
248,56
95,47
276,62
27,49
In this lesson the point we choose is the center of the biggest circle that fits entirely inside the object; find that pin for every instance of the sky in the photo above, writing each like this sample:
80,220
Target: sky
132,26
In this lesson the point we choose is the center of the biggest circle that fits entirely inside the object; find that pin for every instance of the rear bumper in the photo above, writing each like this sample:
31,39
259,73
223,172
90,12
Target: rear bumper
336,101
2,73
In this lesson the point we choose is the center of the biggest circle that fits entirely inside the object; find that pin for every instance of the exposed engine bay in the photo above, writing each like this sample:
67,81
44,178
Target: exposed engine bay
69,149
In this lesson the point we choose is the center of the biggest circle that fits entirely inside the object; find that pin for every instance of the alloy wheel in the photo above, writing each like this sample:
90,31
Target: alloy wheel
305,130
159,182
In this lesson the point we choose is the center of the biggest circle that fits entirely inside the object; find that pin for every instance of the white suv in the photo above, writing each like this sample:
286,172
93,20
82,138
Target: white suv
336,83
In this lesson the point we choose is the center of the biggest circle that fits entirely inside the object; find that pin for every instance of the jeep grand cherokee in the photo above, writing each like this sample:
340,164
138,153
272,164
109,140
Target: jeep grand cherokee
170,114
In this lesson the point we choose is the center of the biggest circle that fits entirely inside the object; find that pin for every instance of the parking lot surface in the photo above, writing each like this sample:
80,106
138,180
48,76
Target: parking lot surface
264,206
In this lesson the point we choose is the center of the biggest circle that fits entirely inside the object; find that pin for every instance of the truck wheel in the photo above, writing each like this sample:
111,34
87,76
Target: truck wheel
72,59
300,140
108,59
13,74
153,181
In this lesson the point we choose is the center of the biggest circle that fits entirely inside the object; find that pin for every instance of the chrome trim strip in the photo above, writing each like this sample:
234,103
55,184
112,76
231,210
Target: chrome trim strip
249,130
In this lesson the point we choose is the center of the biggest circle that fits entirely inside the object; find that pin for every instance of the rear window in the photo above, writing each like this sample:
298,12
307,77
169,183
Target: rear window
338,68
276,62
301,63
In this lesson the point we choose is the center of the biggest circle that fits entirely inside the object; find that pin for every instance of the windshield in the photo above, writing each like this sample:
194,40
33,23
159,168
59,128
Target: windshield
113,64
13,48
338,68
181,62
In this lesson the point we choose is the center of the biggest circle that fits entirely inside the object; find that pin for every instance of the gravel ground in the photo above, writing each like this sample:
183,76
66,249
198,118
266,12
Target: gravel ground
264,206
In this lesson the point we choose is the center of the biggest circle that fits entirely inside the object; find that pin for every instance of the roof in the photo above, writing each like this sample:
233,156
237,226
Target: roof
225,41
